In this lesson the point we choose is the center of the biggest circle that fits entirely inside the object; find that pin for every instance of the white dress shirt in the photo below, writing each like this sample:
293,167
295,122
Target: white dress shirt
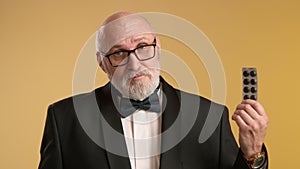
142,135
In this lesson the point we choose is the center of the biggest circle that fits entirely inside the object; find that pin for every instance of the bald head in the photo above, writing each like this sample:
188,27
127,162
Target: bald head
115,16
120,26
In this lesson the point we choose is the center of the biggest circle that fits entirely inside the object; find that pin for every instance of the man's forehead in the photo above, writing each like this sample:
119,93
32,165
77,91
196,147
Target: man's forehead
135,40
123,28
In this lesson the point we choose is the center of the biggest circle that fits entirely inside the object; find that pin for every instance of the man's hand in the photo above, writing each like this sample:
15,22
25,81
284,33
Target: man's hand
252,121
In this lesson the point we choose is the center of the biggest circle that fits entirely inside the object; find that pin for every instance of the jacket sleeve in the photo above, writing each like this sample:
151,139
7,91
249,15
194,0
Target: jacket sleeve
50,148
229,151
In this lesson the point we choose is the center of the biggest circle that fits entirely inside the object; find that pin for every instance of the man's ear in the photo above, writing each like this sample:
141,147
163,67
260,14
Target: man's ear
158,45
158,42
100,62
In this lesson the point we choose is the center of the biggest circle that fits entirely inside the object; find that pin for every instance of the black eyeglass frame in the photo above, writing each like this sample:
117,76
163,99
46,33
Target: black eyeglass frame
130,51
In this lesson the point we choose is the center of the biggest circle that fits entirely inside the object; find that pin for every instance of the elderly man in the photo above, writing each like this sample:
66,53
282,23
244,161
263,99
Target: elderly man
159,126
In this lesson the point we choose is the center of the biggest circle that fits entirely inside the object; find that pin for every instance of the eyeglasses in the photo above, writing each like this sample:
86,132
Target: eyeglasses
142,53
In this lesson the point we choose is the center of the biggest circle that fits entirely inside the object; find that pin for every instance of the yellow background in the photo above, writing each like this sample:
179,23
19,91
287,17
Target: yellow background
40,41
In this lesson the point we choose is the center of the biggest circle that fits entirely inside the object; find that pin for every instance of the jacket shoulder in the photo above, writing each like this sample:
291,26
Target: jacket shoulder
202,100
70,103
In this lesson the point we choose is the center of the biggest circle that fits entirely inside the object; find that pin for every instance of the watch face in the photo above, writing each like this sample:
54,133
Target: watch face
258,162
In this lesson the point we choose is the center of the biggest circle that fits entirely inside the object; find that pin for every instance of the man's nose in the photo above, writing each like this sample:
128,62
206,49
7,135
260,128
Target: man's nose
133,63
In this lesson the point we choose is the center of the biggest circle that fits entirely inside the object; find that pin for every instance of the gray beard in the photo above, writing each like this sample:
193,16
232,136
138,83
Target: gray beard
137,90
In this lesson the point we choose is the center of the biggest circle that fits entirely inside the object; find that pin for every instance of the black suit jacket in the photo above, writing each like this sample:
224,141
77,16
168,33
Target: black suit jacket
78,134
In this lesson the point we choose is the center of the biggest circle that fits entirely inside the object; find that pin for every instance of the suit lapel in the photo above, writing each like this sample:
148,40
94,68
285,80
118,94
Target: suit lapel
170,157
112,130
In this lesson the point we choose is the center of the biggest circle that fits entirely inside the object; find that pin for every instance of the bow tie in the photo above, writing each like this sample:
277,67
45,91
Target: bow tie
129,106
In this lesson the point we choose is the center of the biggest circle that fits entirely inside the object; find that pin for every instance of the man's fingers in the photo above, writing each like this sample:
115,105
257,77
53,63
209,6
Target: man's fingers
256,106
252,114
239,121
247,119
247,108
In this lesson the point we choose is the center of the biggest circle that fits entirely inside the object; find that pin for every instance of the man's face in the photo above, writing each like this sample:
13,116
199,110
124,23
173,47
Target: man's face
136,79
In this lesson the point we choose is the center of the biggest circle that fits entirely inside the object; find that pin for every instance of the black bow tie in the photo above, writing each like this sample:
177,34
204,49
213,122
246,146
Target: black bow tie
129,106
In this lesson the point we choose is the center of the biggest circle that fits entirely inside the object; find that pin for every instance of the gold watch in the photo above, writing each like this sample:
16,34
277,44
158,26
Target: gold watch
256,161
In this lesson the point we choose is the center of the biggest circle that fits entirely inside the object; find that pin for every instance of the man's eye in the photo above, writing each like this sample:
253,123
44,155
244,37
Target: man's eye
142,47
120,53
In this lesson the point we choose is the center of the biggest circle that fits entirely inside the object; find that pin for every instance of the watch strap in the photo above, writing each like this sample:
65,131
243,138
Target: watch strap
257,160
